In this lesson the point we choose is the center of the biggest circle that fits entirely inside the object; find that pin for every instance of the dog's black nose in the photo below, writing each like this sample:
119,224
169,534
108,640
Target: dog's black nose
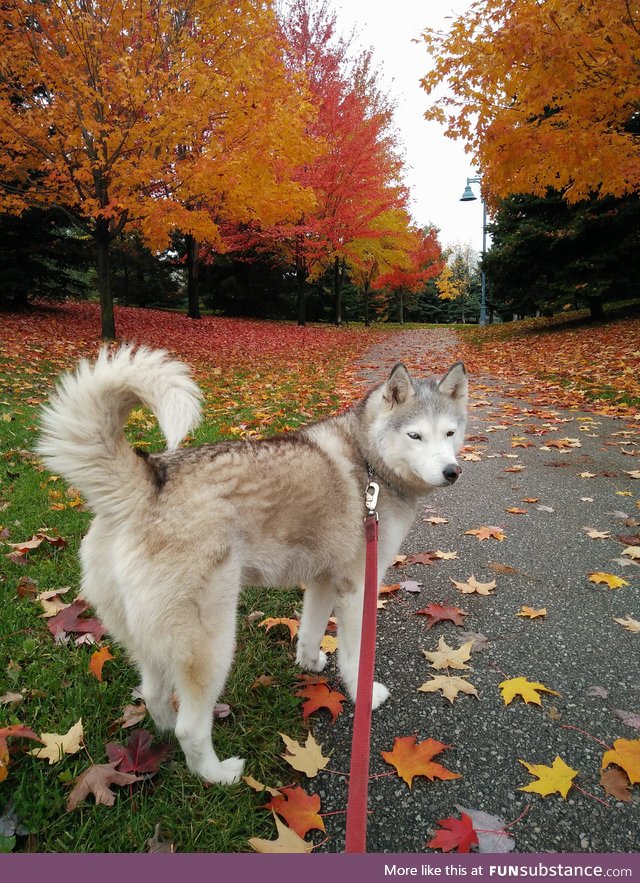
451,472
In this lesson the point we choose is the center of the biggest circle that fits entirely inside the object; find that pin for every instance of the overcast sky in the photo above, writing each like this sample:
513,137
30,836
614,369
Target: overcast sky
438,166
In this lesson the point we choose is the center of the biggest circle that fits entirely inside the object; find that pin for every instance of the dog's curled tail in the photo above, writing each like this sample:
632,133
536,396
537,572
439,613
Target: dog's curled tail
82,426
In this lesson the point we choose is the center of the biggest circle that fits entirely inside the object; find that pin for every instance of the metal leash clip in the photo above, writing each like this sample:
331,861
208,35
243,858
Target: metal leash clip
371,498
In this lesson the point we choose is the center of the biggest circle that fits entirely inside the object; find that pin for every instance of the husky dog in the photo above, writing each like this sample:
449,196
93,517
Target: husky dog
176,534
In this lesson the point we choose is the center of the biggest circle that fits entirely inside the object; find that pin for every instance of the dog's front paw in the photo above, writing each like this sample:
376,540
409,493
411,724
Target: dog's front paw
380,695
317,663
225,772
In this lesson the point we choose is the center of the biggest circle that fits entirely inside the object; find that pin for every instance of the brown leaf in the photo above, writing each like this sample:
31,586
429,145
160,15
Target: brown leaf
97,780
616,784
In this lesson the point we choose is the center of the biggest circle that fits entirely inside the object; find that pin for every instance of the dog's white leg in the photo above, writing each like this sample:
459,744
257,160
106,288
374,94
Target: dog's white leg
349,616
201,670
157,693
319,600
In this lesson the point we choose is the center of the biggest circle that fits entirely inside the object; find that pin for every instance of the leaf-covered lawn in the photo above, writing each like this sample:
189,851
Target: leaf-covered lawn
576,365
258,377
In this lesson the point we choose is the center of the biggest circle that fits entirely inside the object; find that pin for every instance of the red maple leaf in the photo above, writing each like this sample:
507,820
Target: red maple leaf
440,613
69,620
455,835
321,696
301,811
138,755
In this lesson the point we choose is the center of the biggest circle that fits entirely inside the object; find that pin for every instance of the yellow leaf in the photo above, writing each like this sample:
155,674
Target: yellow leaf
450,686
531,613
557,777
287,842
614,582
631,625
446,657
307,758
56,746
529,690
329,644
472,585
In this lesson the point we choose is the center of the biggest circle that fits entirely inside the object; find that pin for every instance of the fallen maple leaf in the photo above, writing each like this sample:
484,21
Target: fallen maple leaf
472,585
634,473
609,579
625,754
456,835
97,780
412,758
291,624
440,613
301,811
98,660
69,620
138,755
287,841
515,510
616,784
329,644
259,786
529,690
426,558
629,718
486,533
447,556
318,696
631,625
597,534
387,590
557,777
450,686
633,552
15,731
492,836
307,758
434,519
446,657
57,745
411,585
531,612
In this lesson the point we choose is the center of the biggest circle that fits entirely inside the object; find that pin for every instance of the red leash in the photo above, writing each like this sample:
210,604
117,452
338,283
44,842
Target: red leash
356,834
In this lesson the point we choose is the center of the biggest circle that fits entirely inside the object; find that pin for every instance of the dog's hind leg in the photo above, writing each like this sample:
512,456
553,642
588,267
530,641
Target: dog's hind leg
317,607
157,693
201,669
349,616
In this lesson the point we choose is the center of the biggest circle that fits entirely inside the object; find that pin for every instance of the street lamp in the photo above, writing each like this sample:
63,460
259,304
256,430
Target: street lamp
469,196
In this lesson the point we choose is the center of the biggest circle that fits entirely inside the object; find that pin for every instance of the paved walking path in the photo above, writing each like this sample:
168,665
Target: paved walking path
577,649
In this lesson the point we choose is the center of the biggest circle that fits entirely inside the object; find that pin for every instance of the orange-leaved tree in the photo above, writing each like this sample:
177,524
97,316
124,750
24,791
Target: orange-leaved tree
424,261
544,93
99,99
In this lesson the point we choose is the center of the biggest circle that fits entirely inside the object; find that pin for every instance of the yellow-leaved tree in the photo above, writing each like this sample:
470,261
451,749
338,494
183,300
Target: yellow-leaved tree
544,93
152,114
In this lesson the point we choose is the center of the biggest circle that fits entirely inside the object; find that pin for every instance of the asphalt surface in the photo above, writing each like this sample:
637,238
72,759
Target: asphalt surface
577,649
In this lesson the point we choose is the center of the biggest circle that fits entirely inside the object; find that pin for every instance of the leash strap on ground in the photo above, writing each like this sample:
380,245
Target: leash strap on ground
356,834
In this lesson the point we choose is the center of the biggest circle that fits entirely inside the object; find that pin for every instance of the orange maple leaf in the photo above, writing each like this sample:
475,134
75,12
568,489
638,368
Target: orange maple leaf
291,624
412,758
485,533
98,660
301,811
318,696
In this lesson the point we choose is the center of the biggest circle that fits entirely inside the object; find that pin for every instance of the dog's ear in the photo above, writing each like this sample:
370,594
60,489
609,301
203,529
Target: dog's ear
398,387
454,384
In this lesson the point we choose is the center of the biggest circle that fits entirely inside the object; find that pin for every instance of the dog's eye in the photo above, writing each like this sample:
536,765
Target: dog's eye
451,432
414,435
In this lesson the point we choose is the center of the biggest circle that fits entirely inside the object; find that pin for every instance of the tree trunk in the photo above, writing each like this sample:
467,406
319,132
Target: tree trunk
301,275
597,309
367,321
102,239
339,269
401,307
193,274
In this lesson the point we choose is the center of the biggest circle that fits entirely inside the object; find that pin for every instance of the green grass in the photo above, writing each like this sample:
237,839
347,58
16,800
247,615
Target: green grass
58,689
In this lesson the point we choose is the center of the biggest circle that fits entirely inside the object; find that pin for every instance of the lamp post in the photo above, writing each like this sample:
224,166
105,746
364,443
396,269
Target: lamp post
469,196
